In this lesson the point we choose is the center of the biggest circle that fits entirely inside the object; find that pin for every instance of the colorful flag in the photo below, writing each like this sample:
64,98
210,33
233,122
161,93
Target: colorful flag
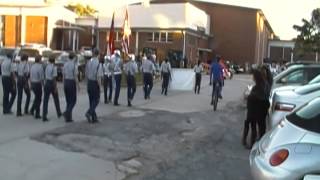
111,39
126,32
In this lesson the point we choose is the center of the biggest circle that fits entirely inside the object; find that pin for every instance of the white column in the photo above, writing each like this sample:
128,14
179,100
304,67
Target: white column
77,40
317,56
23,29
74,36
137,43
184,44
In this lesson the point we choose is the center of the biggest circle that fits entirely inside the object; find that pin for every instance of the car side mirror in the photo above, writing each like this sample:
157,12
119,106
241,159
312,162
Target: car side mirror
283,81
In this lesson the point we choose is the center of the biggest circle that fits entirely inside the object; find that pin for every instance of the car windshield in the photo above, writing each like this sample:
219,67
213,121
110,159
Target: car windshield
315,80
29,52
4,51
307,117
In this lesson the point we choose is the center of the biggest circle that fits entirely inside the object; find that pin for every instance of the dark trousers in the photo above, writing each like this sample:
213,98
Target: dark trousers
9,93
70,92
131,83
50,89
148,84
107,83
198,83
262,117
37,91
117,78
165,83
94,97
256,115
23,85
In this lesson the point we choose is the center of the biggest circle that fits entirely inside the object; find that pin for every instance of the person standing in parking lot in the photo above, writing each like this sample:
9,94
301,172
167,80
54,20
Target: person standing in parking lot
108,68
23,72
131,69
36,78
255,104
70,82
147,69
198,69
117,76
50,87
94,74
8,84
166,75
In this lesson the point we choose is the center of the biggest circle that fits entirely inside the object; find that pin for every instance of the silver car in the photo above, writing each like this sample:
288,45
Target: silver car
286,101
291,150
295,75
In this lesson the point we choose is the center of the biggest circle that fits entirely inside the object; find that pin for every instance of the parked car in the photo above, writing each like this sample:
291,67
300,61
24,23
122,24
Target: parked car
291,150
62,57
32,50
295,75
284,102
86,51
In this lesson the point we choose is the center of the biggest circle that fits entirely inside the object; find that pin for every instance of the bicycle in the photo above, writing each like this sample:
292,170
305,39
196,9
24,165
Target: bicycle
215,94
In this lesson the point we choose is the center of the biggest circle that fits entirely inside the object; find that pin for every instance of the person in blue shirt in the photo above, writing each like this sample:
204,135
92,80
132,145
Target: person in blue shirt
216,74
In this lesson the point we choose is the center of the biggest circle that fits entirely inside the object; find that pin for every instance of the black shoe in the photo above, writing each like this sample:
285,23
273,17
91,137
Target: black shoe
38,117
220,97
116,104
45,119
69,121
211,103
129,104
26,112
8,112
106,102
59,115
19,114
95,121
88,117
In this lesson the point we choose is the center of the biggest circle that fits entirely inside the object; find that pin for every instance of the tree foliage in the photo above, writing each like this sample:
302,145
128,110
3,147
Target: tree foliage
82,10
308,39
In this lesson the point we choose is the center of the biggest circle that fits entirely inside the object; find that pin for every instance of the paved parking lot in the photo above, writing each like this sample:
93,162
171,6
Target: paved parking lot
168,137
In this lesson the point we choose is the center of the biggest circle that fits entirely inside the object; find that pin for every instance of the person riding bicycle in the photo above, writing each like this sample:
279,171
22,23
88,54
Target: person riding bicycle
216,74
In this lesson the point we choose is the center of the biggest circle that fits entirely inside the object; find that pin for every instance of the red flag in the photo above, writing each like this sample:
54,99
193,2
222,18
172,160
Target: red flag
111,47
126,31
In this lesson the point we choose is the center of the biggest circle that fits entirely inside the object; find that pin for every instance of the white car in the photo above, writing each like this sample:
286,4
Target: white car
295,75
284,102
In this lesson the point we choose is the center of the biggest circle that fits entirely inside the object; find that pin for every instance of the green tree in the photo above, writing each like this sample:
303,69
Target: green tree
308,39
82,10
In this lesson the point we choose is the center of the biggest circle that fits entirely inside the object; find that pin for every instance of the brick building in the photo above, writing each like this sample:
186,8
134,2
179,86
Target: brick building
239,34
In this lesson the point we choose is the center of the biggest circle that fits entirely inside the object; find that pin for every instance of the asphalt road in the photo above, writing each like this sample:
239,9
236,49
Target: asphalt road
177,137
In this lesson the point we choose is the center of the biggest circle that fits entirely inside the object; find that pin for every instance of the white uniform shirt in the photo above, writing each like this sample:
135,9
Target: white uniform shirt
70,70
198,69
7,67
36,73
23,68
147,66
94,69
51,72
165,67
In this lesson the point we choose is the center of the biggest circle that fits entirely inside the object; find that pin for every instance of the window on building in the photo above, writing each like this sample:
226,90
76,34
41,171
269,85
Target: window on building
156,36
150,37
170,37
163,37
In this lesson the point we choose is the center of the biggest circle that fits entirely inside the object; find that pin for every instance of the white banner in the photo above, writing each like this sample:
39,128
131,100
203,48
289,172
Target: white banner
182,79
